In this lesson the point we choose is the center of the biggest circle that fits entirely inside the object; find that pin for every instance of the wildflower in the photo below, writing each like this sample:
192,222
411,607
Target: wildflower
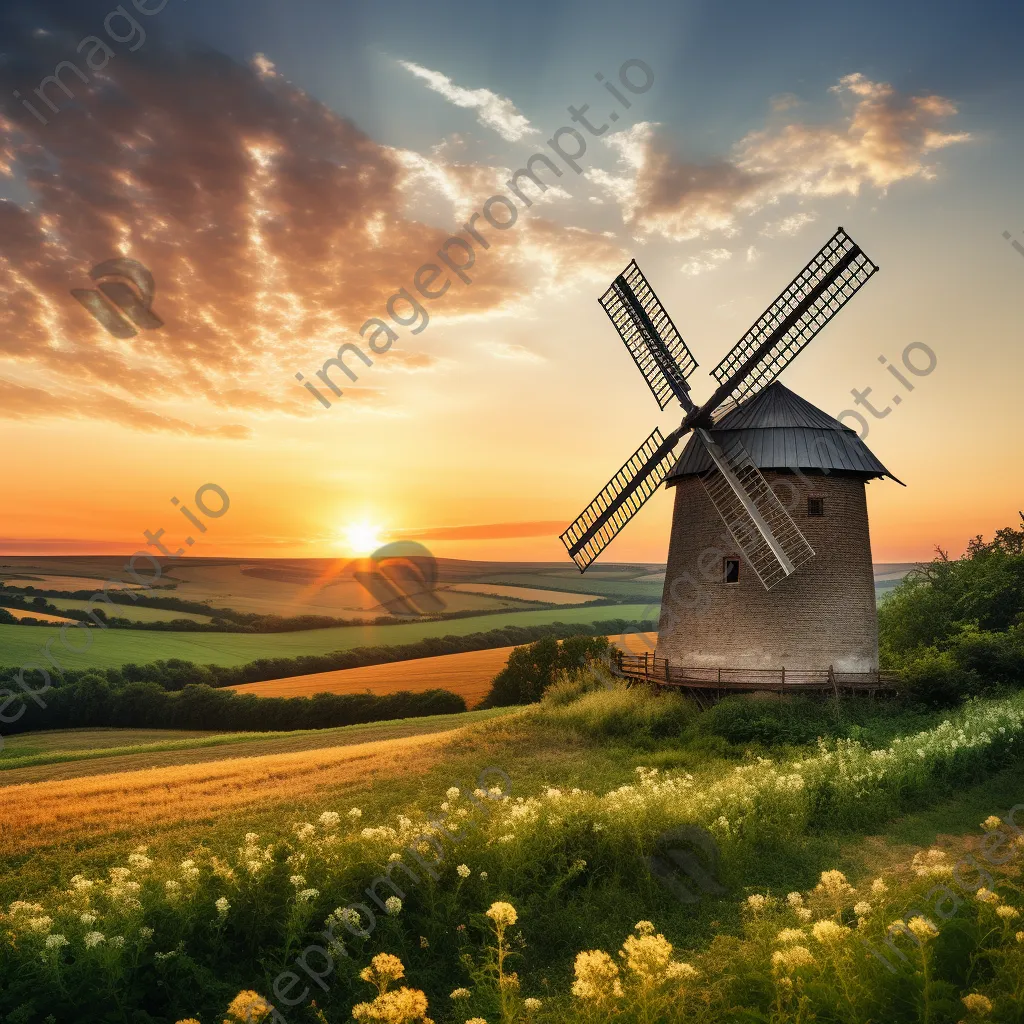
991,822
55,941
145,933
88,919
1007,913
452,793
252,838
393,905
931,862
791,958
40,924
789,935
647,956
394,858
644,927
986,896
804,914
483,875
597,976
94,939
531,1004
223,906
828,931
117,941
424,942
878,887
308,895
834,885
329,819
922,928
384,968
248,1007
756,902
463,871
502,914
355,814
1019,936
977,1003
188,1020
794,899
297,880
476,1020
862,909
679,971
459,993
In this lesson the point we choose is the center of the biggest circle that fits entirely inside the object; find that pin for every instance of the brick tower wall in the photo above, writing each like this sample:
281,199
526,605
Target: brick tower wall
823,614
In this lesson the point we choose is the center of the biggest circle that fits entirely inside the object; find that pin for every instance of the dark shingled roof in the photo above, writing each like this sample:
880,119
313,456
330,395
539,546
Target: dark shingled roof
781,430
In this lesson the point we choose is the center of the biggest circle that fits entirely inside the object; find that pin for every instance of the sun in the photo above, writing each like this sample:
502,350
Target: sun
362,538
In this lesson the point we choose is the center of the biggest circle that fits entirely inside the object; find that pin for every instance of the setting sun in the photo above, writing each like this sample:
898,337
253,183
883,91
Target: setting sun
361,538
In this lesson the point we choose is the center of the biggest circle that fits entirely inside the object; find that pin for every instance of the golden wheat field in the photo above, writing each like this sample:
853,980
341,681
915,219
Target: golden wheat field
468,674
45,813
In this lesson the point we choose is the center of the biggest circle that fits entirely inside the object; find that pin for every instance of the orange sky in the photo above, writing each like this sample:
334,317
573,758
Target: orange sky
274,228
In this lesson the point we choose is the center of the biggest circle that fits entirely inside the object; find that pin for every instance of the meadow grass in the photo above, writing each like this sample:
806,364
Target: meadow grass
64,746
114,647
568,858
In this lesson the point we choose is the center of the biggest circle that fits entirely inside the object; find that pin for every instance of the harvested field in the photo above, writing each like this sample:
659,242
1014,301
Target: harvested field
468,674
45,812
25,613
522,593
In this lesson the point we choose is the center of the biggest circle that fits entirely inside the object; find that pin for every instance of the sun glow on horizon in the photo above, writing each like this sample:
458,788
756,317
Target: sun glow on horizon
362,538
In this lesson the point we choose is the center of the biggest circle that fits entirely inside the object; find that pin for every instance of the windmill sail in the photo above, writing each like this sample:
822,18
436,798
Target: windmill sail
652,339
758,522
814,297
620,499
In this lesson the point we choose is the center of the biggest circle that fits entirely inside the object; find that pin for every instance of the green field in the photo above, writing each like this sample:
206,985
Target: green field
22,644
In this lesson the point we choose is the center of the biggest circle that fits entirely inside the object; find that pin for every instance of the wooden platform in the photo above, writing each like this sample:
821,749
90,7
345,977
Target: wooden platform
714,683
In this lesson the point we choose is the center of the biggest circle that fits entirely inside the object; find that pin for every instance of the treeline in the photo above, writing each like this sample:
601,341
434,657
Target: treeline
175,674
223,620
129,690
94,702
955,627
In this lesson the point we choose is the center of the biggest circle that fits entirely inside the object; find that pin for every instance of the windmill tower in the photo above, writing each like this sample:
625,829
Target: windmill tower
733,595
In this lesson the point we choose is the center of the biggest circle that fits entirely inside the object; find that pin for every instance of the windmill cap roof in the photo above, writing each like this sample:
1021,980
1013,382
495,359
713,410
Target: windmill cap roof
781,430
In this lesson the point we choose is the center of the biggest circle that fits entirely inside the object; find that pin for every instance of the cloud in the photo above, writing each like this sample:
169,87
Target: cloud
493,111
512,352
274,229
494,531
788,226
709,259
879,138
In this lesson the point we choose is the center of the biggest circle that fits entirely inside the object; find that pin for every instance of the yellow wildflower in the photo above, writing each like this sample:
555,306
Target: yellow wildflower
647,956
1007,913
991,822
789,935
403,1006
502,914
597,976
828,931
986,896
977,1003
247,1007
791,958
384,969
922,928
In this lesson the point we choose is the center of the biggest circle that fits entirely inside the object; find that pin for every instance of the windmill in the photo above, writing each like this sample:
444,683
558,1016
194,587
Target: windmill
770,541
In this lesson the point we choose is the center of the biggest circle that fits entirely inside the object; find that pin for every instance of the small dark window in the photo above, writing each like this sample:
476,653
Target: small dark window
731,570
815,506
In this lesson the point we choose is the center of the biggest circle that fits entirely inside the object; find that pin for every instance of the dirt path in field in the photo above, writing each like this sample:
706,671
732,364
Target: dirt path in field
44,813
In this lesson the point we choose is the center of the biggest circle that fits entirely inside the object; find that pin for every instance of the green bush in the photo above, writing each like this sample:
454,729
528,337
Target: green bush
534,668
769,720
611,710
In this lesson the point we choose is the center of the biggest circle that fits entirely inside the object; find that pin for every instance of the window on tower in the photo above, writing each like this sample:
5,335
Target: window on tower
731,570
815,506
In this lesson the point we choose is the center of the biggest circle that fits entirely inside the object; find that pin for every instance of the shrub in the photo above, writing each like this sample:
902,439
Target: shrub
532,669
613,710
934,679
781,720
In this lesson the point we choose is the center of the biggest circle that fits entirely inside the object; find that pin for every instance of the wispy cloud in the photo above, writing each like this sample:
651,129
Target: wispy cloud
493,111
709,259
513,353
